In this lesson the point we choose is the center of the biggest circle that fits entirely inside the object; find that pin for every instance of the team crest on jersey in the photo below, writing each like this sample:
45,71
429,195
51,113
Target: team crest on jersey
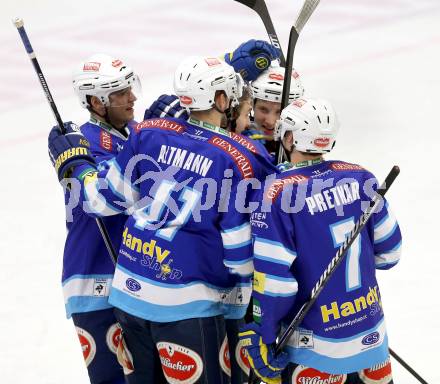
379,374
125,359
113,337
100,287
180,365
305,375
88,345
277,186
106,141
241,357
224,357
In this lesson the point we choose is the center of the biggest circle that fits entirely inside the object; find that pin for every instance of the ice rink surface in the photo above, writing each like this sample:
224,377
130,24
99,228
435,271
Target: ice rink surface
377,61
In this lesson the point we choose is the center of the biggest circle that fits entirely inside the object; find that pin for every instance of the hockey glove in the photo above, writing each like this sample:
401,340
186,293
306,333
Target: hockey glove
262,359
166,106
68,150
251,58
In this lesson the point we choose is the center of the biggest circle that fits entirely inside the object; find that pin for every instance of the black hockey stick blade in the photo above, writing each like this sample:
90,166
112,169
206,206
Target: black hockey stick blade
259,6
19,24
338,258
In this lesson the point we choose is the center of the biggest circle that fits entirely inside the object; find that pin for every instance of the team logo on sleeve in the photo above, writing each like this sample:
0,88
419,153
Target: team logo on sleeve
224,357
305,375
113,337
241,357
88,345
180,365
379,374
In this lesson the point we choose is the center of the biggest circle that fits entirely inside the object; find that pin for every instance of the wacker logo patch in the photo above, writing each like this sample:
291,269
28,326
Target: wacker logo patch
180,365
88,345
305,375
224,357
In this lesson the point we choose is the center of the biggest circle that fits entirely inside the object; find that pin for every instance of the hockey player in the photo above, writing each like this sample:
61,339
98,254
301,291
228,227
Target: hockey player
185,259
267,92
313,205
106,87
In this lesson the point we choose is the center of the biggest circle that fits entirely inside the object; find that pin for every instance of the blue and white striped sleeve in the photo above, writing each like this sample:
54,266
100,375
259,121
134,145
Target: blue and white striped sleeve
387,238
110,191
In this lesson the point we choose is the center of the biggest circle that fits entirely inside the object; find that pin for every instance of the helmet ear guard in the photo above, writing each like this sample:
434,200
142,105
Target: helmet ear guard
313,123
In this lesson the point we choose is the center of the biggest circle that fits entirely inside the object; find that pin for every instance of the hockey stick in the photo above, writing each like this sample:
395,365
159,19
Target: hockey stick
307,9
407,367
18,22
259,6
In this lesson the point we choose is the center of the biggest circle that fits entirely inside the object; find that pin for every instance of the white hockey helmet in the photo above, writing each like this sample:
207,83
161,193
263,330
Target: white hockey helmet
313,122
100,75
197,79
269,85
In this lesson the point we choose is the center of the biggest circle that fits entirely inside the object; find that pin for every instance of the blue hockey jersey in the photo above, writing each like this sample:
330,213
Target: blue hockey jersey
186,247
308,213
87,267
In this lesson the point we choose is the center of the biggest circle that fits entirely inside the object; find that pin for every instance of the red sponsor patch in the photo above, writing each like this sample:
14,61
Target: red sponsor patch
88,345
305,375
106,140
244,142
241,357
321,142
113,337
91,66
276,76
224,358
212,61
346,167
379,374
116,63
160,123
299,103
179,364
243,163
277,186
186,100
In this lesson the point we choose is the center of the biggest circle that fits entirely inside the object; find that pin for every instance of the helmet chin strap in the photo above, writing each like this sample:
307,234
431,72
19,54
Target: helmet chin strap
227,112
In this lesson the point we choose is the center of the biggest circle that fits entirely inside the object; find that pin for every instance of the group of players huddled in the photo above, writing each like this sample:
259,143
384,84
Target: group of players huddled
207,225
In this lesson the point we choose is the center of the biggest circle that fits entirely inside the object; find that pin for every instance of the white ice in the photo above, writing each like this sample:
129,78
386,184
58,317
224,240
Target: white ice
377,61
